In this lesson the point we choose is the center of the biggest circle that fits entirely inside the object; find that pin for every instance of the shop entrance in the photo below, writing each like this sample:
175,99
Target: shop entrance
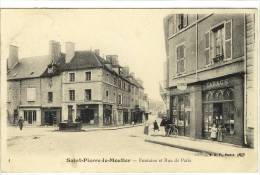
218,109
50,118
180,113
87,116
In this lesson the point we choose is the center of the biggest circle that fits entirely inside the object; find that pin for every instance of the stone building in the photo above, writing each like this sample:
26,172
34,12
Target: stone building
210,79
60,86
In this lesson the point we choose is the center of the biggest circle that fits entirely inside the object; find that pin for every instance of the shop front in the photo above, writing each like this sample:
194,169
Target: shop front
202,105
107,114
125,116
88,113
180,115
222,104
51,116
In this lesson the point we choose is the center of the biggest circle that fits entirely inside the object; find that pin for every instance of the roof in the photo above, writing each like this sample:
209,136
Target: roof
30,67
82,60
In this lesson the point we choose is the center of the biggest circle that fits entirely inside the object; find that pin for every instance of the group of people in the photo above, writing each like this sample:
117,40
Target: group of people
164,123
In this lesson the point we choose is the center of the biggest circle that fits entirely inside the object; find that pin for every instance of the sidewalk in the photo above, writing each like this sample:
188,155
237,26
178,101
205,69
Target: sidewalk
94,128
198,145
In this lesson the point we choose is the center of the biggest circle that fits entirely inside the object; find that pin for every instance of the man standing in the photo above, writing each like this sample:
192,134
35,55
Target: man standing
20,123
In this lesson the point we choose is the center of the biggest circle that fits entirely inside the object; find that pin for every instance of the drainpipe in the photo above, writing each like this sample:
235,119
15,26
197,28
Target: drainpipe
197,47
245,81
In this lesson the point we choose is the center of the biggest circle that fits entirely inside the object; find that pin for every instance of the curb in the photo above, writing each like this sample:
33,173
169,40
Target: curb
116,128
182,147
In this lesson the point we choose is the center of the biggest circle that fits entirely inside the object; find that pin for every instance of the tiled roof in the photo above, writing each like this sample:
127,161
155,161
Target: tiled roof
82,60
29,67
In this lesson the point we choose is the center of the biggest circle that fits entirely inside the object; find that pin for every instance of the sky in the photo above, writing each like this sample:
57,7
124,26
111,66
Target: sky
135,35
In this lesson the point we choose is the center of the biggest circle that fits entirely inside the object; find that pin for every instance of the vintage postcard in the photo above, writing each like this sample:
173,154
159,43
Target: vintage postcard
129,90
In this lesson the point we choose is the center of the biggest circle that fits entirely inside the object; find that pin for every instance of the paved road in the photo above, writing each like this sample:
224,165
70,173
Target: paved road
37,146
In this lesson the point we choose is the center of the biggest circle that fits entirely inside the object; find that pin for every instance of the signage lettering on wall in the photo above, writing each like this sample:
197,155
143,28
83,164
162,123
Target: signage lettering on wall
218,83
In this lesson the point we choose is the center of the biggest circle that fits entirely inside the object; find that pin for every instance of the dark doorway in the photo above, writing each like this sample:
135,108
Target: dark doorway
218,113
70,113
87,115
50,118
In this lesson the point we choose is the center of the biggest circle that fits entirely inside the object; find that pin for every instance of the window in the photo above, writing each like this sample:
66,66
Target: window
87,94
106,93
207,48
30,116
228,40
124,85
72,95
88,76
50,97
31,94
115,81
72,77
180,59
218,43
119,83
120,99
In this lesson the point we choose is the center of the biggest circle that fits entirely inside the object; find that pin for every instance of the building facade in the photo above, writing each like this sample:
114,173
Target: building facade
60,86
210,58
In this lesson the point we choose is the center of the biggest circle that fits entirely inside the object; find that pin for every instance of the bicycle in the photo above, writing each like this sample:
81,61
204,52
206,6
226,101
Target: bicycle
173,130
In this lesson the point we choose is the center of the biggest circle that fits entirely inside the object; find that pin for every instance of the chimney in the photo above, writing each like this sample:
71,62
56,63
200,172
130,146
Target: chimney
13,56
113,59
54,51
126,70
70,51
97,52
132,74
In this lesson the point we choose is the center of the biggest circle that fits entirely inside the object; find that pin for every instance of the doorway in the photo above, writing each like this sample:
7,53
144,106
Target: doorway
50,118
87,116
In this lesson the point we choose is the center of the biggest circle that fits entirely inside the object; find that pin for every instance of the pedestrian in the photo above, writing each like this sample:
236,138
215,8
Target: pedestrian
220,134
155,126
20,123
146,127
133,123
213,134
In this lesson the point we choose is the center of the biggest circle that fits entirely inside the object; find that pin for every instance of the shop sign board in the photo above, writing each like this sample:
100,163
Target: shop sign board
217,84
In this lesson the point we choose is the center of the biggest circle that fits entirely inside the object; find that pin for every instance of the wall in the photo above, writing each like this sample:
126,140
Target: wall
13,98
54,85
251,80
31,83
188,38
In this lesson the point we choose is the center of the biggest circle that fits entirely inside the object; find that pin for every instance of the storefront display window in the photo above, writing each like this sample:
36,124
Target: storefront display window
218,109
181,113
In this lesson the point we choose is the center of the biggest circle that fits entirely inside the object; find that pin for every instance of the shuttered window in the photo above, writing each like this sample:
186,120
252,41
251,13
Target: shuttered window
180,59
228,40
31,94
207,48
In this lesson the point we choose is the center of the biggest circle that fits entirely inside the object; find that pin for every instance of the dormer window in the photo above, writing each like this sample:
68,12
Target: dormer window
50,69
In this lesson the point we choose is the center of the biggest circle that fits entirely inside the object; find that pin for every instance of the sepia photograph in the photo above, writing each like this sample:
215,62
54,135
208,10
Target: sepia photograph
129,90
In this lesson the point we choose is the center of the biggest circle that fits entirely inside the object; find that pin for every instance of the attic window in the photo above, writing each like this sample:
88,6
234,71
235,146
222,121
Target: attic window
31,73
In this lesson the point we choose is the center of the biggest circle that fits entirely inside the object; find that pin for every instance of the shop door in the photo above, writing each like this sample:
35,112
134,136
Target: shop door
183,115
217,114
87,115
50,117
70,110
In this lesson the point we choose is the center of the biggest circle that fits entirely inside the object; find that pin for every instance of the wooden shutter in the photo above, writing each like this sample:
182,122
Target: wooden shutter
207,47
228,40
